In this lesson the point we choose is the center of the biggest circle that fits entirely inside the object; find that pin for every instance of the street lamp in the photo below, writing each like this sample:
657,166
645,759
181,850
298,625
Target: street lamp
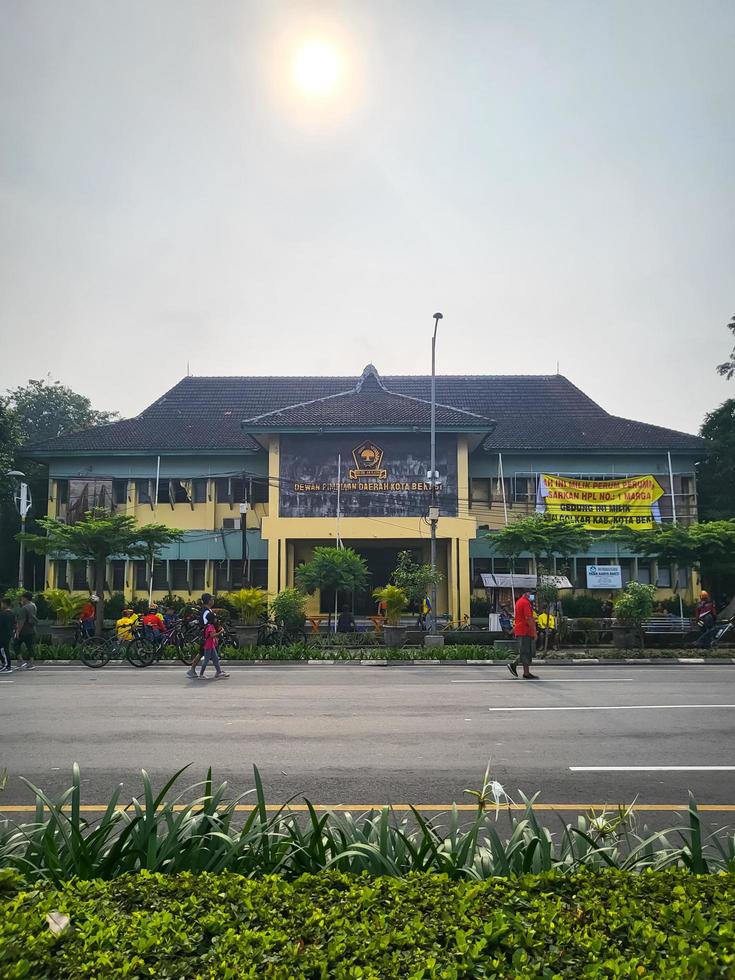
23,502
433,508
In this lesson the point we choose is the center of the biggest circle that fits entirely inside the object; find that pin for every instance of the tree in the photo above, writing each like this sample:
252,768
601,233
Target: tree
709,545
341,569
414,579
727,369
39,410
542,537
46,409
97,538
716,472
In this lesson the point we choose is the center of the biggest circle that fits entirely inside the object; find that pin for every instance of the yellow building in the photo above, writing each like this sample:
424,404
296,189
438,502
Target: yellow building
252,468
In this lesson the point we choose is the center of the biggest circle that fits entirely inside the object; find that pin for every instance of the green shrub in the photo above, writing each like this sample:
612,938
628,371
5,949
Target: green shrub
575,606
666,925
288,608
249,604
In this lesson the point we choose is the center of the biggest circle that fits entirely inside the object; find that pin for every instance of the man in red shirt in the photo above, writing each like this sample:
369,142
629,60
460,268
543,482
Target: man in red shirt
524,630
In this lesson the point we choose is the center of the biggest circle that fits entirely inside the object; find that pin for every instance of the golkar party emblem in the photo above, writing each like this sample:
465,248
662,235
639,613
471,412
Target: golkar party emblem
368,457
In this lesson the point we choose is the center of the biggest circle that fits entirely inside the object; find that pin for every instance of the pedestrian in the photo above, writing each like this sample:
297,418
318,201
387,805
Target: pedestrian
524,630
25,630
608,607
205,617
346,621
7,629
211,641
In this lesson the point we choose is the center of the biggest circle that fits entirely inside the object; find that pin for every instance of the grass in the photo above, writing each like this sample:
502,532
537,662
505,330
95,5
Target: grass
198,829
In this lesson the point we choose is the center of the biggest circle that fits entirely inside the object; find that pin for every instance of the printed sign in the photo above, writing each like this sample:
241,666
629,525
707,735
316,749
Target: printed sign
382,476
601,504
604,577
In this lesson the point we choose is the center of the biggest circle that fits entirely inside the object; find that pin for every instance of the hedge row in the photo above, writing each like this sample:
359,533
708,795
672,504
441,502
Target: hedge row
612,924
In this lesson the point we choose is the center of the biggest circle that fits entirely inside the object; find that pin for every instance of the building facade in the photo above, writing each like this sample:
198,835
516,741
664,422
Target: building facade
259,471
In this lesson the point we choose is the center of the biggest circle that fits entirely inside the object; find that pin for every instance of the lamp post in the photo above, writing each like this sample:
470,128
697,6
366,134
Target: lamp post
433,507
23,503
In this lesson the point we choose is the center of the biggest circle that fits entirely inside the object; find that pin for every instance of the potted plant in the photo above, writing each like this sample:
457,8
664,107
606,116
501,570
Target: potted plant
66,607
632,608
250,605
395,601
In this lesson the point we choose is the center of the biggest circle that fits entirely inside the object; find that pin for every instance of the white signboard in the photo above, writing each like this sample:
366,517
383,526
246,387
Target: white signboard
604,577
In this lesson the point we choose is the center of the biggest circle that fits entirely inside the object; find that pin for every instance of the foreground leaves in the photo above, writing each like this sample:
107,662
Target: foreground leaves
612,924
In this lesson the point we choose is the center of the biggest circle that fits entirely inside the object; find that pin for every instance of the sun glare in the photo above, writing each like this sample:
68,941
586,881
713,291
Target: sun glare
317,67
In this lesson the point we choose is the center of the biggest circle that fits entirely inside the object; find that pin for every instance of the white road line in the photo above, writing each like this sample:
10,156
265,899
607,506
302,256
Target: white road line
652,768
616,707
554,680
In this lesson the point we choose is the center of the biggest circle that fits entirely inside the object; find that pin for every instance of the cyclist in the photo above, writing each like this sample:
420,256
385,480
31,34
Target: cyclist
153,625
125,624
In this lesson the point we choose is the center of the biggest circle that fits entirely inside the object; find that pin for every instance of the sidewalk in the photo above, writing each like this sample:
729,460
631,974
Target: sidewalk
378,662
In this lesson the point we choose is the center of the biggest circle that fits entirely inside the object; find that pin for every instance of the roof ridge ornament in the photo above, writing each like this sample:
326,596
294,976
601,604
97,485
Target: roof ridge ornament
370,378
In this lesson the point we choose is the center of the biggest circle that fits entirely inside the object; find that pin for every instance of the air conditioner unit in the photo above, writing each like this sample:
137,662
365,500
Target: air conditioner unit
231,523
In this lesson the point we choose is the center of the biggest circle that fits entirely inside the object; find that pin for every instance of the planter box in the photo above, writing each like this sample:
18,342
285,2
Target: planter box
247,636
394,636
62,634
509,647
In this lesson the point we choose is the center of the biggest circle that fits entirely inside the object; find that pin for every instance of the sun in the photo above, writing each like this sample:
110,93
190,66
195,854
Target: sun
316,67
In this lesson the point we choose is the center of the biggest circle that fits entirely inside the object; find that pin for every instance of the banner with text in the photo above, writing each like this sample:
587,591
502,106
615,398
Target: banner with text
601,504
384,476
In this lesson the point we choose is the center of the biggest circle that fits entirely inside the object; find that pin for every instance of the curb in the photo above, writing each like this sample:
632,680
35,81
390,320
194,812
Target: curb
589,661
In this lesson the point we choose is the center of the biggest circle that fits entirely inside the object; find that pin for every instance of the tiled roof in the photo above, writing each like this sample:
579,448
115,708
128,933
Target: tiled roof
367,403
530,411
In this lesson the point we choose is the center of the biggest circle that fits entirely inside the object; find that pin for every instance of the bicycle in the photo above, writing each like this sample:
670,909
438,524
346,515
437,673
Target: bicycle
98,651
449,627
273,634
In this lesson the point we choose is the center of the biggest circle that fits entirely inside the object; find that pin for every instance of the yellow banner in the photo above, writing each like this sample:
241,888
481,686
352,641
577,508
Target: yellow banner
601,504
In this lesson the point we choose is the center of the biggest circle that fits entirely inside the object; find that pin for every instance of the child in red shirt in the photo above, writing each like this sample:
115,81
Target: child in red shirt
211,639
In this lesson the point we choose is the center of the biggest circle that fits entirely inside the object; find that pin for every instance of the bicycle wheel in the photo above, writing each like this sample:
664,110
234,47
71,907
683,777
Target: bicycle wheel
95,652
140,653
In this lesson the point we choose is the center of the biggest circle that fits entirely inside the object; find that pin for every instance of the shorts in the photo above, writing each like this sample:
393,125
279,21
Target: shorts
525,649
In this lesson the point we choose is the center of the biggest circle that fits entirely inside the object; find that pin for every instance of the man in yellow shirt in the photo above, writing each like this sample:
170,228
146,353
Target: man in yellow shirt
546,622
124,625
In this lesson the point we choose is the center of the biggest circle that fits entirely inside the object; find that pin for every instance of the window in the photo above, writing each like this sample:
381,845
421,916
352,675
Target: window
525,489
198,567
160,576
231,490
61,580
258,490
141,576
625,570
62,491
119,492
199,490
481,492
231,523
259,573
118,576
683,578
501,565
644,573
79,576
664,577
179,576
143,491
480,566
222,577
497,491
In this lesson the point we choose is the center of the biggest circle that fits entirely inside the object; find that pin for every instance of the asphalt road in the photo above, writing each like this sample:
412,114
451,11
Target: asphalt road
374,735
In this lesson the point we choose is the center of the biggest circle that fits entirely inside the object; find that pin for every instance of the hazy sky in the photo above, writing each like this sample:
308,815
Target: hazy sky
555,177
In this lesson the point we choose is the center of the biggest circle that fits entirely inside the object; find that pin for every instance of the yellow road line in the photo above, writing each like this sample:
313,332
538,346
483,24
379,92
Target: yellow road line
423,807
